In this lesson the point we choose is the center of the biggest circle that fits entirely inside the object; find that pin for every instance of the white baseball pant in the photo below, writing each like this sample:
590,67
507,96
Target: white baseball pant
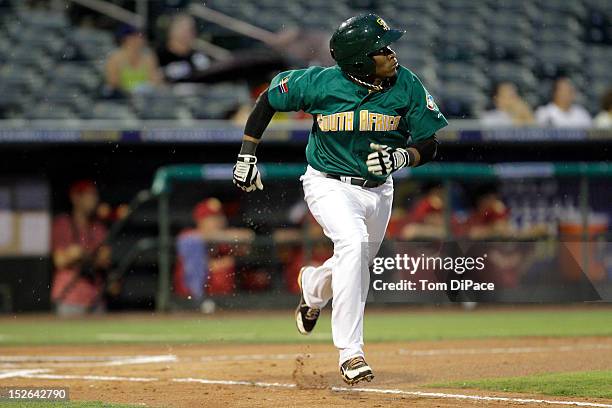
355,219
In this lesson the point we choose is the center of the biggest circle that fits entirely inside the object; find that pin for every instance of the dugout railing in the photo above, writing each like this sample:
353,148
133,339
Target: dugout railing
166,177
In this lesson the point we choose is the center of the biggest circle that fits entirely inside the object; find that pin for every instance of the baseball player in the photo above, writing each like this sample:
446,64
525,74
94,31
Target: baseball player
372,117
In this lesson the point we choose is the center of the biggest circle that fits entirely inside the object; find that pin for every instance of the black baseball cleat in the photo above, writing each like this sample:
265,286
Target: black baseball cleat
305,316
355,370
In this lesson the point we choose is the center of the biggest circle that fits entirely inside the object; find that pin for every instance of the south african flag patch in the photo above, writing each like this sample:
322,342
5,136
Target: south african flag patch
282,86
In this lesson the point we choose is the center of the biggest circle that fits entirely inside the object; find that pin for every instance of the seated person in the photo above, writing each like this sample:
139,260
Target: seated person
206,254
562,111
603,120
510,108
132,68
178,58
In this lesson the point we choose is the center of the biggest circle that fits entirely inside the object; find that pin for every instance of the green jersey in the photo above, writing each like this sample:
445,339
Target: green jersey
348,117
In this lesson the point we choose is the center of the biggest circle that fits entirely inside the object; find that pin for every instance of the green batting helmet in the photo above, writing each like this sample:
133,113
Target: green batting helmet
358,37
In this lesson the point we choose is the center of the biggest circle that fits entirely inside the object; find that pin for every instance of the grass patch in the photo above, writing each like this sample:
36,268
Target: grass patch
280,328
589,384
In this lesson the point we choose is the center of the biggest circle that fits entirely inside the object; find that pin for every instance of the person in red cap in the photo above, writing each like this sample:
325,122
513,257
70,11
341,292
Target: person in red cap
425,219
205,254
78,254
490,217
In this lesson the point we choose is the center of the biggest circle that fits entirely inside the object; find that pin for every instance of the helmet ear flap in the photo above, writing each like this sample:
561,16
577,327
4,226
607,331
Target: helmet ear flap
364,66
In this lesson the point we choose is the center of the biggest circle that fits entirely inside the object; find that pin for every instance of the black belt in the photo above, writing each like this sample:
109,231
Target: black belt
356,181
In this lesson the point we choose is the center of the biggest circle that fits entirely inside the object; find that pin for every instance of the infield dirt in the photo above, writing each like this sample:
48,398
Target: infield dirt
295,375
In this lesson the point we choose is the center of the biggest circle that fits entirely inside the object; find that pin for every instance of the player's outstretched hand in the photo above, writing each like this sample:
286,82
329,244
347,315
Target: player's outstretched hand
384,160
246,176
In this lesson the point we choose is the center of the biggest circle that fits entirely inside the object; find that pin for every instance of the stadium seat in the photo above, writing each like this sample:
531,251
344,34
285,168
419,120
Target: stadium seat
463,73
558,21
574,8
29,58
520,76
76,74
22,76
12,99
112,110
462,49
43,19
504,45
92,44
212,110
46,111
555,60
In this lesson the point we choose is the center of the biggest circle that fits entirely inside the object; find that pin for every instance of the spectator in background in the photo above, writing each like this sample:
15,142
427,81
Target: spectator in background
603,120
510,108
132,68
79,257
489,218
206,255
426,217
562,112
178,58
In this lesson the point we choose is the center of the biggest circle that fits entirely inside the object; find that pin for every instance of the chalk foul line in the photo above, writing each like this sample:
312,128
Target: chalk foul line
505,350
20,373
416,352
34,375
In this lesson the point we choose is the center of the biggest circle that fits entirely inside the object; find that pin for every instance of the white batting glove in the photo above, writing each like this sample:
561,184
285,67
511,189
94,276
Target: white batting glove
384,160
246,176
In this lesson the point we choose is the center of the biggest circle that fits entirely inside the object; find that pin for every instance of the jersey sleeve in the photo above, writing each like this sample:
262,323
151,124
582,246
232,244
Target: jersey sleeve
424,118
288,90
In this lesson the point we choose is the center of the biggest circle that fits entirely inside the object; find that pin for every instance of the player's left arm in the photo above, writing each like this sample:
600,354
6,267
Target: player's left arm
385,160
422,152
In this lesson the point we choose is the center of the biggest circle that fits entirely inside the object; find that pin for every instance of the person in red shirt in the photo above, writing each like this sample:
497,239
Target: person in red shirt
79,257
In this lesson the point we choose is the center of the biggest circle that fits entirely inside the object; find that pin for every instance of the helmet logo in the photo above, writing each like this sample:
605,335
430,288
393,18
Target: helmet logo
382,23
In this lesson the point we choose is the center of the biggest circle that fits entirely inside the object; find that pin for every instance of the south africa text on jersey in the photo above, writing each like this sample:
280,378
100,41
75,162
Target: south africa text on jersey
368,121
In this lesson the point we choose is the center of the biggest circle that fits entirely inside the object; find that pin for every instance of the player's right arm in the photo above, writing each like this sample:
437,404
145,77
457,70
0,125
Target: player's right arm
287,92
246,175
